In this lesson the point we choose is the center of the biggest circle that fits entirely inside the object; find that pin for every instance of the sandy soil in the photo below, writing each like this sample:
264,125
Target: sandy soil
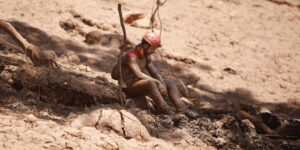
237,51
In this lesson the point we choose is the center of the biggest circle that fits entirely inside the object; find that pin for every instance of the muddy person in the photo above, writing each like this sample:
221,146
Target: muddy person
140,76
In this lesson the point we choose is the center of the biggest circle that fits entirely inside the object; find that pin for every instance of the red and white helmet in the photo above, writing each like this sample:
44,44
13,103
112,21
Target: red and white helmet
153,39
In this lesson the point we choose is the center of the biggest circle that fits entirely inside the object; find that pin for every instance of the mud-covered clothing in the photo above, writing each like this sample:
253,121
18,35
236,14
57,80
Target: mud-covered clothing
128,76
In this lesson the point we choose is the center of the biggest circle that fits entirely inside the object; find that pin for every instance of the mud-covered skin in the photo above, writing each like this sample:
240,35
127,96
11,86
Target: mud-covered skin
141,77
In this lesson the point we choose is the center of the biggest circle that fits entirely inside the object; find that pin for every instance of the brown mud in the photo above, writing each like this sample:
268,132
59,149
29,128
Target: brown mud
238,59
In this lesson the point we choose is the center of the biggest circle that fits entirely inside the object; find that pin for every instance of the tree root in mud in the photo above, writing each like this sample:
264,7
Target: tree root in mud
37,57
54,82
65,88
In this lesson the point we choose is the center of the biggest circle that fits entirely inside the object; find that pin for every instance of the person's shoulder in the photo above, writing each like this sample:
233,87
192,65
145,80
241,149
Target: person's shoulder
131,53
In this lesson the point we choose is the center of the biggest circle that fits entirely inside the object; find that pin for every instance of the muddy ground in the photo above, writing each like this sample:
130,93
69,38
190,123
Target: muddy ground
237,58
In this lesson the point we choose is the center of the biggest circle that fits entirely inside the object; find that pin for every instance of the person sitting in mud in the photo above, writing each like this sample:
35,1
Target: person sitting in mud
141,77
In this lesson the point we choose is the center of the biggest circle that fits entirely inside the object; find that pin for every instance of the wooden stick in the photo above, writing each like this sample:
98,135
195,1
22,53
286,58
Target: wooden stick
121,53
8,28
37,57
158,4
257,122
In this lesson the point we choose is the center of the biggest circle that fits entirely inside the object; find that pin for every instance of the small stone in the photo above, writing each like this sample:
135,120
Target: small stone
218,124
68,25
191,114
30,118
217,75
93,37
70,57
219,141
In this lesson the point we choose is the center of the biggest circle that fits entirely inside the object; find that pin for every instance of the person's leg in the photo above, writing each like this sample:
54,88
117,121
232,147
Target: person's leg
173,93
149,87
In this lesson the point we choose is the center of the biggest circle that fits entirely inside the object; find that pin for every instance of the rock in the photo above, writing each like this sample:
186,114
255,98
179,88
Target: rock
88,21
110,119
133,127
104,26
219,141
217,75
68,25
179,118
218,124
30,118
166,121
123,123
191,114
70,57
93,37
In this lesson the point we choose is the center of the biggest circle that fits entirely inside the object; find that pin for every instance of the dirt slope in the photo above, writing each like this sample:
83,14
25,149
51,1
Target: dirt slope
225,51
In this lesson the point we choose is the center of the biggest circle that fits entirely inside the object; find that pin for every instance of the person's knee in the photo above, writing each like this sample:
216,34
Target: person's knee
151,83
170,82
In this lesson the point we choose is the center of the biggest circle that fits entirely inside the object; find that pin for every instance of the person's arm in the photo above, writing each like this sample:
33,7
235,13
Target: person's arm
136,69
153,71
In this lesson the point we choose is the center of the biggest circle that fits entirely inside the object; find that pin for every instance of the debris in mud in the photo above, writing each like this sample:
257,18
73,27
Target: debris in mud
182,59
293,3
107,40
270,120
30,118
68,25
230,70
224,129
139,20
72,27
70,57
227,134
133,17
93,37
1,67
2,46
90,22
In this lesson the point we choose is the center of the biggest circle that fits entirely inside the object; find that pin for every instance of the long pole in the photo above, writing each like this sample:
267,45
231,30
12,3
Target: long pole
121,53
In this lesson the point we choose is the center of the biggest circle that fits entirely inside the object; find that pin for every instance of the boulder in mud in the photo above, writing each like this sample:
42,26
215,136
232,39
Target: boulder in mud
123,123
